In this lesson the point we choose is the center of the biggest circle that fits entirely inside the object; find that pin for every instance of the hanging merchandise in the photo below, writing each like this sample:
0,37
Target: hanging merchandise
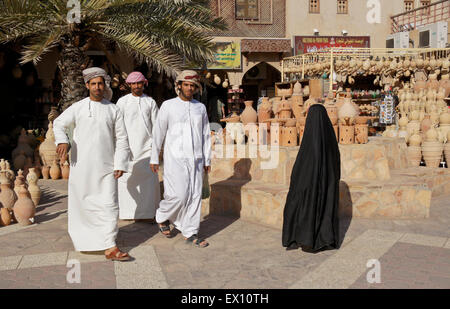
387,110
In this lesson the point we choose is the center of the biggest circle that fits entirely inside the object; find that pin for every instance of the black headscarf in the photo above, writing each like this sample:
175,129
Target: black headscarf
311,210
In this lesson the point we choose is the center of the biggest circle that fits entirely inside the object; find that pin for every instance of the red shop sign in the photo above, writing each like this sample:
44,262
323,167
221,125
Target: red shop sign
313,44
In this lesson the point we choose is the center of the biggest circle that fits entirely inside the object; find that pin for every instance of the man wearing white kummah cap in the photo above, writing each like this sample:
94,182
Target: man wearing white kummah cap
183,125
139,189
99,156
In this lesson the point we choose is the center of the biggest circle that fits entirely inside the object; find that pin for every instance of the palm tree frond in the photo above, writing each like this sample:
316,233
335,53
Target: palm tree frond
40,46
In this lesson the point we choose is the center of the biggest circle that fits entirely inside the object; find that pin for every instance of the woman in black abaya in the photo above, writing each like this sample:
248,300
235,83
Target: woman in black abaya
311,210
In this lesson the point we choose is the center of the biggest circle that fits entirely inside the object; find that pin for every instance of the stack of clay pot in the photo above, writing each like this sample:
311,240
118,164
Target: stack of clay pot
432,148
33,188
47,150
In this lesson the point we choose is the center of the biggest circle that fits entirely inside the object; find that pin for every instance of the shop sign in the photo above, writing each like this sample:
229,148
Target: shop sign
227,55
313,44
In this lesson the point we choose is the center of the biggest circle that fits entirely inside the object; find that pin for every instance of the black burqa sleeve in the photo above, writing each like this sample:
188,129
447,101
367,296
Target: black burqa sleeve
310,216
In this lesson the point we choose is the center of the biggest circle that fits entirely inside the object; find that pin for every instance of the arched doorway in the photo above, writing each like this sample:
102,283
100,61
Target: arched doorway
260,81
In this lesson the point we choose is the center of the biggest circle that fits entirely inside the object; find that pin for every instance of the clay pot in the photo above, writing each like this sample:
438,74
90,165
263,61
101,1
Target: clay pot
65,170
361,133
347,110
33,188
431,135
414,154
5,216
346,134
7,195
444,118
361,120
432,153
297,106
426,124
249,114
24,208
55,171
415,139
47,150
45,172
285,109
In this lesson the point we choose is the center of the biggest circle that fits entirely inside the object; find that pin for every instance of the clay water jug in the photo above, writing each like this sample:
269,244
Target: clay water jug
20,180
46,172
55,171
7,195
415,139
249,114
65,170
24,208
265,110
33,188
444,118
47,150
5,216
426,124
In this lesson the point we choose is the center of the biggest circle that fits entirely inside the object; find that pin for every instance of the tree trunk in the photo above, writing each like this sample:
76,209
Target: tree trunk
73,87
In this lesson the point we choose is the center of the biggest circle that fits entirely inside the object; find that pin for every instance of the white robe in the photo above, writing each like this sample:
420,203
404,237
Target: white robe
187,149
99,147
139,192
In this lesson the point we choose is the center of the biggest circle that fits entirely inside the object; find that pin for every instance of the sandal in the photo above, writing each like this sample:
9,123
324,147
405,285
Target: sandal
197,241
116,255
164,228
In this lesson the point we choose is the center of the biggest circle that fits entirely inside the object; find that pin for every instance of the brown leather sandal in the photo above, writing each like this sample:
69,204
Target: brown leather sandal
117,255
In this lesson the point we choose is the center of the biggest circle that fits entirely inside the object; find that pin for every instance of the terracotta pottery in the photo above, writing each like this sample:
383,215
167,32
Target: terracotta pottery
361,120
444,118
347,110
415,139
275,135
22,146
55,171
432,82
7,195
346,134
47,150
432,153
5,216
297,106
285,109
24,208
33,188
289,136
297,89
46,172
426,124
300,131
414,154
431,135
249,114
65,170
2,165
361,133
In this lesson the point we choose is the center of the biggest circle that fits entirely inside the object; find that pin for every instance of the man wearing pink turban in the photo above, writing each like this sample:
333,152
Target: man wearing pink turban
139,192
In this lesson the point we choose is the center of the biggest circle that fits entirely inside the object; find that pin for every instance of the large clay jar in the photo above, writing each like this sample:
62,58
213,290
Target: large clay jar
347,110
249,114
285,111
7,195
5,216
47,150
414,154
432,82
20,180
24,208
65,170
444,118
33,188
265,110
46,172
55,171
432,149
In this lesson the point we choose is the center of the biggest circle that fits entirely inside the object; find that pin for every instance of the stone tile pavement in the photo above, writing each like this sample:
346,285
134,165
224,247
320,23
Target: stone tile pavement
241,255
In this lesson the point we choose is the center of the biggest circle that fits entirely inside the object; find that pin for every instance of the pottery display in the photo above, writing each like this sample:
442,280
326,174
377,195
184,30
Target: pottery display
249,114
346,134
65,170
432,153
285,111
7,195
47,150
288,136
55,171
24,208
361,133
347,110
20,180
414,154
45,172
5,216
33,188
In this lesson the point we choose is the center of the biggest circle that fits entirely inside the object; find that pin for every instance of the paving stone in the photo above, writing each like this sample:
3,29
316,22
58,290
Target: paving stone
10,262
46,259
424,240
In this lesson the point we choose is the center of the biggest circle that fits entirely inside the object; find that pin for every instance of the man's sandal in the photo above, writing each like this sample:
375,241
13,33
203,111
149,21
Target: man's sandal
197,241
116,255
164,228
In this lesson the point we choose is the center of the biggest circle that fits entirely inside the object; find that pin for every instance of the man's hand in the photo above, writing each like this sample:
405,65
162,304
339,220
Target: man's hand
118,174
61,151
207,169
154,167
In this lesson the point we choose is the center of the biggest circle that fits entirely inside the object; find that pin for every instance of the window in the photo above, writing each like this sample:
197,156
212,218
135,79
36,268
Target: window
246,9
409,5
314,6
425,3
342,6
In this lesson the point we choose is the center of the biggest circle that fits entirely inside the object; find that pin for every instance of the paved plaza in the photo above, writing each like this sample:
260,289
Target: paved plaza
242,255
